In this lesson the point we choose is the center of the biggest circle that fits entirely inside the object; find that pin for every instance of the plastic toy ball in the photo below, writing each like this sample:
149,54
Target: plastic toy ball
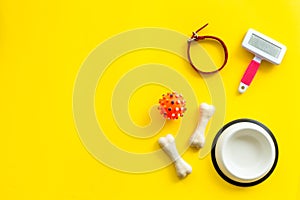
172,105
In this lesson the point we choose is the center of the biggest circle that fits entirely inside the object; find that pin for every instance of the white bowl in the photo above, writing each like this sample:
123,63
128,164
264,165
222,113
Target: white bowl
245,152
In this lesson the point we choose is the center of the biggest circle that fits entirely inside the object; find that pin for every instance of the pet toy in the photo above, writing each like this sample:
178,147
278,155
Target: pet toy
168,145
172,105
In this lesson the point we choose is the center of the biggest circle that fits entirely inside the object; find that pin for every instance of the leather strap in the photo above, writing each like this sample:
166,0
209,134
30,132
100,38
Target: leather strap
196,37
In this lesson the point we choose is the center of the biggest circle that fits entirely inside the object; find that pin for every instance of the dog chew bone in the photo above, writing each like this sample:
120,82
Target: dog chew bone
198,138
168,145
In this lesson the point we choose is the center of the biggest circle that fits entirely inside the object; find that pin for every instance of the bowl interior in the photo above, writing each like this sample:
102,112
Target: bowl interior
245,151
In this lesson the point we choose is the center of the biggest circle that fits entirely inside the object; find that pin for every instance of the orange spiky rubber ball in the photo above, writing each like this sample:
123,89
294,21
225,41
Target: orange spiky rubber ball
172,105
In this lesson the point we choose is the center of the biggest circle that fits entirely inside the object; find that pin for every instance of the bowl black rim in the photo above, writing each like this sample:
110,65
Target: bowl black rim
226,178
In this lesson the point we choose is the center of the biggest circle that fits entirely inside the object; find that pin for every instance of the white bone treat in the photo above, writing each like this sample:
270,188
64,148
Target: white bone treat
198,138
167,143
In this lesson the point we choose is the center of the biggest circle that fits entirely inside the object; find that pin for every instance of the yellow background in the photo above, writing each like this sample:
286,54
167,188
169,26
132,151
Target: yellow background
42,46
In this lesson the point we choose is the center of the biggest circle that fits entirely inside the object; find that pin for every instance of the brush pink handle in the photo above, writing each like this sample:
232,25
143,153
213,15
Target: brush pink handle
249,75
